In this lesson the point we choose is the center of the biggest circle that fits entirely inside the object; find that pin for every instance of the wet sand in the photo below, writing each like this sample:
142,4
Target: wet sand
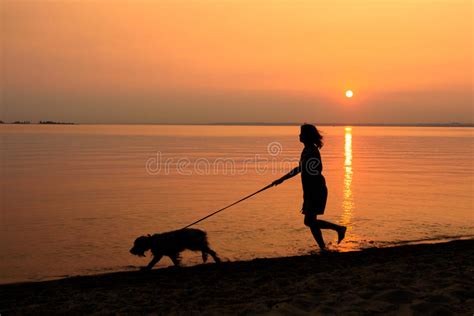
433,279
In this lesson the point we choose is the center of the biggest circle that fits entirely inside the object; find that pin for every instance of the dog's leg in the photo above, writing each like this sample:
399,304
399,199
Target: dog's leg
204,256
175,259
213,255
152,262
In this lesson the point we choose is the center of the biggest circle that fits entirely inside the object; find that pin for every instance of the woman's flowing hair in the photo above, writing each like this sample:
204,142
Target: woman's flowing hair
311,133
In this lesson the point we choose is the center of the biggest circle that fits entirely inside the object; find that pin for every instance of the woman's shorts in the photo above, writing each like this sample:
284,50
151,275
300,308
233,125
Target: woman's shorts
315,204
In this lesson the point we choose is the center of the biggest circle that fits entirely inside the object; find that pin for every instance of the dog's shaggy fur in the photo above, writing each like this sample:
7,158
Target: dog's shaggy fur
171,244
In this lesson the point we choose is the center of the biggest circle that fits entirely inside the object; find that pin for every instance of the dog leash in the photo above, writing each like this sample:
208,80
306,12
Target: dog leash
248,196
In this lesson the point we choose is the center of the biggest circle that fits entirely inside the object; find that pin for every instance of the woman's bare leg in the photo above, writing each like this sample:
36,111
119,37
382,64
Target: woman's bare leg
327,225
316,225
311,222
341,230
318,236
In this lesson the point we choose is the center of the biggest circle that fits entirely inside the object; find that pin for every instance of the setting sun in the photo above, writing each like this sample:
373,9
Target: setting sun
349,93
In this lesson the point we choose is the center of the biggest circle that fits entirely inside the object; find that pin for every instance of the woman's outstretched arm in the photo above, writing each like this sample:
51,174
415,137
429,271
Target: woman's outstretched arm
290,174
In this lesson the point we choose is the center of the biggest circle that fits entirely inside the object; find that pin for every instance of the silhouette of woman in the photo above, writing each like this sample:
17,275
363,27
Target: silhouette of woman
315,192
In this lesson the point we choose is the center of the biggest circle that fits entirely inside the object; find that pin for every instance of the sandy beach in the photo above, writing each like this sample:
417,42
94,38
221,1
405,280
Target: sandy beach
429,279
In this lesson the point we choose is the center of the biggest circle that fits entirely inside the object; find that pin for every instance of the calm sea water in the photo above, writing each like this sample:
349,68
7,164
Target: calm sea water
73,198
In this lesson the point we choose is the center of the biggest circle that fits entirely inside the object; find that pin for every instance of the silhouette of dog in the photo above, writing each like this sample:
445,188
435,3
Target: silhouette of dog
170,244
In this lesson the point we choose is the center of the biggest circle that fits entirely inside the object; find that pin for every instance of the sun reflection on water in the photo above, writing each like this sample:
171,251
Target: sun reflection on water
348,201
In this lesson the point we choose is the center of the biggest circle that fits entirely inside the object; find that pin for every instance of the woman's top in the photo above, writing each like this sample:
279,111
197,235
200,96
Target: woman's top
311,168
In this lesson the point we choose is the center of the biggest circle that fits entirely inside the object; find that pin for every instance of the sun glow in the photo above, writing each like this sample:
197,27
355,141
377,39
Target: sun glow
349,93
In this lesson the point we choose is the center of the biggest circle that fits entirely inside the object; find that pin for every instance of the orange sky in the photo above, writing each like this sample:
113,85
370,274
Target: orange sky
205,61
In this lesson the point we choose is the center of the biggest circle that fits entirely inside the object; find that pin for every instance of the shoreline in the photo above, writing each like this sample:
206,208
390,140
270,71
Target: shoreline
408,279
132,268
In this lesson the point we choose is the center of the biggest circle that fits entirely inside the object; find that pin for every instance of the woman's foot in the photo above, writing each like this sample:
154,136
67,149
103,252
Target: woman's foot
323,250
341,233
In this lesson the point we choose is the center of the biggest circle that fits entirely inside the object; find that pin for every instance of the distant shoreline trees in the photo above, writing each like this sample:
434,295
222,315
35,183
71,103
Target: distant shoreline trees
52,122
40,122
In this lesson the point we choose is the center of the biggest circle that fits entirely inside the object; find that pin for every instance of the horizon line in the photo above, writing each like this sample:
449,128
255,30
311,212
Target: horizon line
438,124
